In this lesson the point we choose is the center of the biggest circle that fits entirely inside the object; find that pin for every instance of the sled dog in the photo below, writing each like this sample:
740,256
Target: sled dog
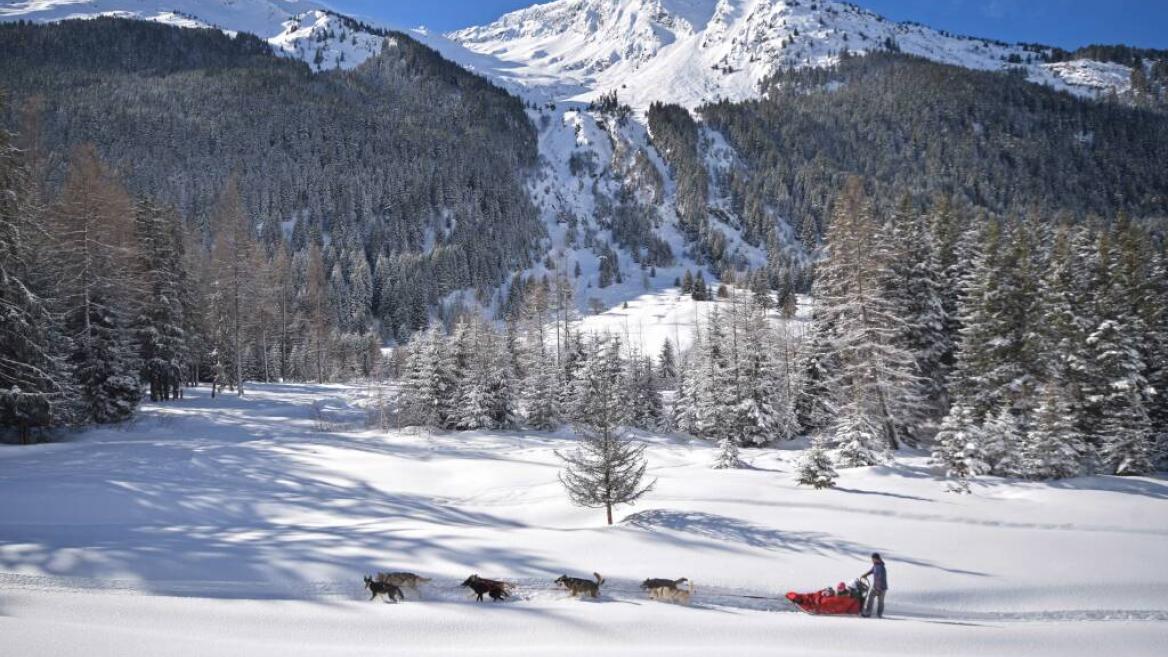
403,580
494,588
390,591
579,585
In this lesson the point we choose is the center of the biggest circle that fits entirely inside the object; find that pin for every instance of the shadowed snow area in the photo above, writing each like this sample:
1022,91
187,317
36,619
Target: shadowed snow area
233,526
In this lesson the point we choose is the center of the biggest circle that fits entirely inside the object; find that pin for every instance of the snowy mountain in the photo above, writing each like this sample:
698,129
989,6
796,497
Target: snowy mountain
683,51
299,29
694,51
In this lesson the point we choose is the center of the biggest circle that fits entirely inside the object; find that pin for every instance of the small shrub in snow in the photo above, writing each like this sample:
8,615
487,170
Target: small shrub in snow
728,456
815,469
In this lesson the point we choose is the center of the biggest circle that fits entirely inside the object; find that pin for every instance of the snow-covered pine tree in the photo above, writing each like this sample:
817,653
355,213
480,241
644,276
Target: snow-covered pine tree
1053,448
541,396
684,412
999,360
714,388
914,287
1157,355
160,322
429,389
598,384
641,391
540,392
960,448
667,362
1068,313
815,468
857,438
728,455
874,384
481,370
1004,442
33,382
761,415
92,225
1125,431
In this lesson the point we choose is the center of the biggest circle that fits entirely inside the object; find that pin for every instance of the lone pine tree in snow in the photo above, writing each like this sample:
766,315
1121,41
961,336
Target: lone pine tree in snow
815,468
728,457
607,468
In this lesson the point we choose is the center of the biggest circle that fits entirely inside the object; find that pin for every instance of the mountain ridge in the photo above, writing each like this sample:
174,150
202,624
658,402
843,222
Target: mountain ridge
689,52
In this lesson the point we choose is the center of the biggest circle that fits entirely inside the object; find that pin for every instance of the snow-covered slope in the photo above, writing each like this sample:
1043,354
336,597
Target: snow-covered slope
235,526
694,51
326,40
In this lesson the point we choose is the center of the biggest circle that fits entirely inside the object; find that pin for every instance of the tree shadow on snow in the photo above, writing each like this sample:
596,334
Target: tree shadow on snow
1155,487
225,507
733,530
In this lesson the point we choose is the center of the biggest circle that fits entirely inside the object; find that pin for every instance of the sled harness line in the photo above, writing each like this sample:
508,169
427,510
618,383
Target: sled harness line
639,591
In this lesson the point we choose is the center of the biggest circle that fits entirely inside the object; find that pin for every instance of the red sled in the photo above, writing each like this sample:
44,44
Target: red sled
831,603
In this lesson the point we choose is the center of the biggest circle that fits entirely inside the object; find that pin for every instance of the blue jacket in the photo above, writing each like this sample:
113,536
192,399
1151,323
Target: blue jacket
879,577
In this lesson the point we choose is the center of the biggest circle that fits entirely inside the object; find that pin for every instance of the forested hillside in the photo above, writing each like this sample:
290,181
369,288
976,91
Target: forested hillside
913,126
392,169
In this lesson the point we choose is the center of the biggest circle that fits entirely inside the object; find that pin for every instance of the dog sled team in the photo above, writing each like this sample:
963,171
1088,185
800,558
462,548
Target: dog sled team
841,599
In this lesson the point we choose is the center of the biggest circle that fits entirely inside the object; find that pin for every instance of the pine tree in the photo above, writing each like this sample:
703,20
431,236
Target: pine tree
960,448
430,386
1000,359
33,383
597,385
93,230
914,285
1004,441
815,468
667,362
873,381
1067,317
160,324
684,415
644,398
1054,447
857,439
728,456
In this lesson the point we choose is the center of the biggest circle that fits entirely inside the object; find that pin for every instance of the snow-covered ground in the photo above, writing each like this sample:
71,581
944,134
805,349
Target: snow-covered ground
233,526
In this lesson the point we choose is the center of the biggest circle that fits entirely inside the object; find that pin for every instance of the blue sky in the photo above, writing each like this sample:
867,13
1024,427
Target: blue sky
1066,23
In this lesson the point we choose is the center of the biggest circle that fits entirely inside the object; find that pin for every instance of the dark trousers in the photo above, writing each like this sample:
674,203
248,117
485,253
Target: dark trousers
873,596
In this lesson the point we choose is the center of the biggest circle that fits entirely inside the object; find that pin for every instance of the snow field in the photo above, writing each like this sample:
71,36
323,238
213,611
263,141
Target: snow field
228,526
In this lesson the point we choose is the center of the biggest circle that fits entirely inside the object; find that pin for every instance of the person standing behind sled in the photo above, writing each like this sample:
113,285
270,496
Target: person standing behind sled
879,586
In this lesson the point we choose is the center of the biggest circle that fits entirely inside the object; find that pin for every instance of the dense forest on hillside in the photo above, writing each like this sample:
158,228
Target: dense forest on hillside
409,163
913,126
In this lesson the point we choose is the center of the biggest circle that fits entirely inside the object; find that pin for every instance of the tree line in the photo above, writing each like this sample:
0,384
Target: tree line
107,295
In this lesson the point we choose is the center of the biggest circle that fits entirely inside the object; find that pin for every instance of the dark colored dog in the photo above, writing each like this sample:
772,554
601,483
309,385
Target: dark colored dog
494,588
579,585
662,583
392,592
